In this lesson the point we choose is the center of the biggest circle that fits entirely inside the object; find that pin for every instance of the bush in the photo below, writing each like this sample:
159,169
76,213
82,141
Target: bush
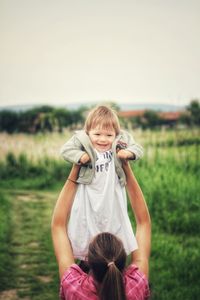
41,174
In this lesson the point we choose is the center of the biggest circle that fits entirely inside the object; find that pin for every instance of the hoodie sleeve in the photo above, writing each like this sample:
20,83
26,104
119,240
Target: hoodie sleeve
129,144
72,150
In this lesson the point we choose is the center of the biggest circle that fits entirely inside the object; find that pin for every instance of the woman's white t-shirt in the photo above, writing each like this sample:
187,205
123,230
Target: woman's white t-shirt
100,207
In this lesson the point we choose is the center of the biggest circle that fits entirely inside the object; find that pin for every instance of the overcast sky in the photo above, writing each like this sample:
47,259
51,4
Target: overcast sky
130,51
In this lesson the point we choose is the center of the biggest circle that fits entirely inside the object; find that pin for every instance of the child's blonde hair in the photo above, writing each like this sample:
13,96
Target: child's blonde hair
103,117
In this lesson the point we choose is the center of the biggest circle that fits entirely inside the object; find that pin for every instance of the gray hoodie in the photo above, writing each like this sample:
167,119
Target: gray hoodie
80,143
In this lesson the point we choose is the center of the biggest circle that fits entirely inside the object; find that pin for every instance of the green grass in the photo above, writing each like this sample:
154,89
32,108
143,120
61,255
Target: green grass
170,183
24,173
169,177
6,263
28,263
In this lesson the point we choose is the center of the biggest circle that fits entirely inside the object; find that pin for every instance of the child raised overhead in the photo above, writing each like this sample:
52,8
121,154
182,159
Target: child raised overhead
100,203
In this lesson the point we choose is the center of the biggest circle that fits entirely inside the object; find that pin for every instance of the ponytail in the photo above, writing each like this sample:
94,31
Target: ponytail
107,258
112,286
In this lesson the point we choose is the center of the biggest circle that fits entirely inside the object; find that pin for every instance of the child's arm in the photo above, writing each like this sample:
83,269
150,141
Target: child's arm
62,246
73,151
140,257
128,148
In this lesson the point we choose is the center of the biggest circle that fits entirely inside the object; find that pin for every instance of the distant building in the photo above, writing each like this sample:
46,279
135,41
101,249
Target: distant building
168,118
131,113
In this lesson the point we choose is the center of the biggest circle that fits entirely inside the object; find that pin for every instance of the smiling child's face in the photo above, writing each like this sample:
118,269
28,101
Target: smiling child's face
101,138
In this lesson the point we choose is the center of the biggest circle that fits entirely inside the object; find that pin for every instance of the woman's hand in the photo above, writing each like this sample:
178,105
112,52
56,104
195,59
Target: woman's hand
125,155
84,159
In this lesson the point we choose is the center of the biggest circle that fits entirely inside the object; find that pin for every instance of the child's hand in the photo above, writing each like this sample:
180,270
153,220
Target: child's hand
125,155
84,158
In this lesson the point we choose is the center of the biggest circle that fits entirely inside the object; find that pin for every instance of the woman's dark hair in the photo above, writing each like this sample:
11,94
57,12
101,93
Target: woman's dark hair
107,259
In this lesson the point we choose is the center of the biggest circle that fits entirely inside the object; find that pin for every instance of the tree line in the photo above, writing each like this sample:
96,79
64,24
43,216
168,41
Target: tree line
40,119
48,119
153,119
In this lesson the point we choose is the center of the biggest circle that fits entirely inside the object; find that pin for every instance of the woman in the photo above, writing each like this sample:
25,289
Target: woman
108,279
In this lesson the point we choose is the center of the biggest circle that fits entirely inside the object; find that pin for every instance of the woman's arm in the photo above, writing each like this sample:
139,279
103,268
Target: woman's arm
140,257
62,246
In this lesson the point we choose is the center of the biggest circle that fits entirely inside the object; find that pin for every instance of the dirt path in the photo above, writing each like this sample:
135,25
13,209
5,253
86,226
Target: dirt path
33,263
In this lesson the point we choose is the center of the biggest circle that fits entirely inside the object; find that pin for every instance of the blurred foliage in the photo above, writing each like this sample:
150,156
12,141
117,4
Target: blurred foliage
40,119
151,120
192,116
41,174
48,118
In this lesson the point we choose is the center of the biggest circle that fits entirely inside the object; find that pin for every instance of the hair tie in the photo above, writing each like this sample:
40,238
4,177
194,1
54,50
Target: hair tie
110,263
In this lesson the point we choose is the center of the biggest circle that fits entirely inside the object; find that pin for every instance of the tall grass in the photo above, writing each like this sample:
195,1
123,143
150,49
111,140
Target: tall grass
6,263
44,173
37,146
34,146
169,176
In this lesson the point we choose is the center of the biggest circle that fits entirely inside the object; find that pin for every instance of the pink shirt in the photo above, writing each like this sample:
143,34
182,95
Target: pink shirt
77,285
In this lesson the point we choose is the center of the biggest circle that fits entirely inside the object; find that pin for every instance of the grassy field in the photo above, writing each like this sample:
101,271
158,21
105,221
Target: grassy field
32,174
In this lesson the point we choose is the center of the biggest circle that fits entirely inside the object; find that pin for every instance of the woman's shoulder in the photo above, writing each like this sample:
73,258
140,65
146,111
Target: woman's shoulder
75,273
73,270
136,281
133,269
75,281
